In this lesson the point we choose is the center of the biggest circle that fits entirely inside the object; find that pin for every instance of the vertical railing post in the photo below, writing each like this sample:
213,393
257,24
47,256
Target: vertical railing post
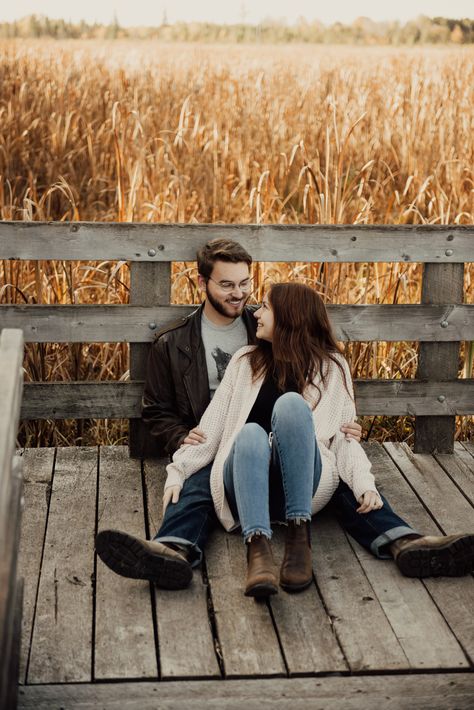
150,285
442,283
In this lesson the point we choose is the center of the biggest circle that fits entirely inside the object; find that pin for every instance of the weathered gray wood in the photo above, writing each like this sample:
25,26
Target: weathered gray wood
61,649
469,446
37,472
247,637
460,468
439,494
305,631
150,285
453,596
433,691
438,361
138,324
124,635
185,638
116,400
417,622
367,639
14,664
266,242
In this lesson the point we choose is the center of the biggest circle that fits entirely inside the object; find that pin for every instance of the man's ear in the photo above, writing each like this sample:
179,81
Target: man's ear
201,283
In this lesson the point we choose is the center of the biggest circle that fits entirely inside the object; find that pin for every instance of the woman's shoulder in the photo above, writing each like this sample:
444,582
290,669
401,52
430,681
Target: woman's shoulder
238,360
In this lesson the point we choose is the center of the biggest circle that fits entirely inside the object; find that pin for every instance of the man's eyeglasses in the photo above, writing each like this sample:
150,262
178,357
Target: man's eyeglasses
228,286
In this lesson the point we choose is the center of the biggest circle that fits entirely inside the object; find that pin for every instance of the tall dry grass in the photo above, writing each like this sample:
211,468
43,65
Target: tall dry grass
149,132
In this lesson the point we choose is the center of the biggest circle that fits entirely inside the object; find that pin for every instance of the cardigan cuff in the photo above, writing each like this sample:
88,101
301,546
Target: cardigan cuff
174,478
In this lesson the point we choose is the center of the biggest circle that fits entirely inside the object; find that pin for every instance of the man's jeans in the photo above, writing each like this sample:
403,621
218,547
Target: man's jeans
277,483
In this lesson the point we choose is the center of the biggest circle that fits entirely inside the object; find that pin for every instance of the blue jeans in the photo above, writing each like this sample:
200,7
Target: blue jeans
278,482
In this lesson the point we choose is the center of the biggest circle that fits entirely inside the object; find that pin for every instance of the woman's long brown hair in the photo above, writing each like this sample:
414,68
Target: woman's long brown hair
302,339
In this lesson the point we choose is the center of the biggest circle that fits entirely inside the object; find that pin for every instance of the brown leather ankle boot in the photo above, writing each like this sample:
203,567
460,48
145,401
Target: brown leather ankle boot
296,571
261,569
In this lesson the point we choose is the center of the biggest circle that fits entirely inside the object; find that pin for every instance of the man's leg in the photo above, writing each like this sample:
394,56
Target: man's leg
166,560
387,536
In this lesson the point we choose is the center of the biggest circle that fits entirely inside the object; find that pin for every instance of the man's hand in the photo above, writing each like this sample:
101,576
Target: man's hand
370,500
171,495
352,430
195,436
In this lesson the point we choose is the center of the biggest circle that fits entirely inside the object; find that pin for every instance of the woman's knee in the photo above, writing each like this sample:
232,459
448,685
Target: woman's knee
252,436
291,405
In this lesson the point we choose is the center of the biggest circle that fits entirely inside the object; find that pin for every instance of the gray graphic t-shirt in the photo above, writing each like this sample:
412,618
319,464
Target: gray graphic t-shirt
220,343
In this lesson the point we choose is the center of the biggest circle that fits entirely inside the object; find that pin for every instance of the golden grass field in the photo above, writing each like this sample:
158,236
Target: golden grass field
125,131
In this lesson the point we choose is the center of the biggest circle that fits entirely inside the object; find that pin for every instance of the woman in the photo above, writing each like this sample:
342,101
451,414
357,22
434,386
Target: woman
273,434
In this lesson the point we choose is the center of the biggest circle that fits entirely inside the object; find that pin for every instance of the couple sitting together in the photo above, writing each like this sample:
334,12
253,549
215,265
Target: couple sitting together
256,408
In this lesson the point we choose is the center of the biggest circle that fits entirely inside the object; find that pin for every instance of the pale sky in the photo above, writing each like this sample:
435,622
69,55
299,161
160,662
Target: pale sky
144,12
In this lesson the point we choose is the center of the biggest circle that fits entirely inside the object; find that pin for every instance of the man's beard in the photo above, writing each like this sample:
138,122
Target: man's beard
221,307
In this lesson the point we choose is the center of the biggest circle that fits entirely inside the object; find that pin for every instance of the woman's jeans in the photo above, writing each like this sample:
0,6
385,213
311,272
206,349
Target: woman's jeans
277,482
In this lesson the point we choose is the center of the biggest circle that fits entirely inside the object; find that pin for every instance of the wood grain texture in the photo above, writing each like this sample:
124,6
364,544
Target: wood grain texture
116,400
139,324
247,638
305,631
453,596
362,628
61,649
124,637
460,468
266,242
186,643
38,465
435,691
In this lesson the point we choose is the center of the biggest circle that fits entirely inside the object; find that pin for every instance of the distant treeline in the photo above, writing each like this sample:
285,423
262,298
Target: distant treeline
423,30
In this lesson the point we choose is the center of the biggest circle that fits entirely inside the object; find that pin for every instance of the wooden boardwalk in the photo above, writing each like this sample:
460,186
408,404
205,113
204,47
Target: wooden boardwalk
360,636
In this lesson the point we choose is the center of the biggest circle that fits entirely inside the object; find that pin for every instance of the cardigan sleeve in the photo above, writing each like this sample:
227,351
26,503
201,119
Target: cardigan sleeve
191,458
352,463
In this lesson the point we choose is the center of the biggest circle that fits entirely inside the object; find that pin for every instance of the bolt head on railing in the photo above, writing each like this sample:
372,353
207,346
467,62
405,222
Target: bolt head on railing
441,398
151,252
444,323
449,252
152,326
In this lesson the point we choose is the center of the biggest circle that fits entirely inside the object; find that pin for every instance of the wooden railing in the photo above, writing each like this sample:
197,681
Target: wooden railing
11,589
439,323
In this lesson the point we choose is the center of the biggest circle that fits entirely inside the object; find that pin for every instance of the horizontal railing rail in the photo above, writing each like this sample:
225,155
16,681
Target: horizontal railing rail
440,323
266,242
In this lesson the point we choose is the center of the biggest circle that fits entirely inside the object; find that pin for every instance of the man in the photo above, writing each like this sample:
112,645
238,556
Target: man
186,363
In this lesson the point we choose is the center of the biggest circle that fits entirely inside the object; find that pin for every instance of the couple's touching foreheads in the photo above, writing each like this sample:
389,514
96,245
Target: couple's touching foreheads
255,407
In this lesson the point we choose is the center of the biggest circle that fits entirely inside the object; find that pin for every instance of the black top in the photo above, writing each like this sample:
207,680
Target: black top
261,412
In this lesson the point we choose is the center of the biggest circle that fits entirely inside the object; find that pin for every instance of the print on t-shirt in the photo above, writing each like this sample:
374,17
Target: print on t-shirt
222,359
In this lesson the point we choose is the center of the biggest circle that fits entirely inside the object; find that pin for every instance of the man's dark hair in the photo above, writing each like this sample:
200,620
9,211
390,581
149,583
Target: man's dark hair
220,250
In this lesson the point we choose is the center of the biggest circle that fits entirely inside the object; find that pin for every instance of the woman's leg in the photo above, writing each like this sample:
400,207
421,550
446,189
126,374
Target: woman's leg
297,456
246,472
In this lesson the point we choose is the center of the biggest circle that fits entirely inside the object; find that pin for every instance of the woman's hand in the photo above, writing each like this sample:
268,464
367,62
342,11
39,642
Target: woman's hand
171,495
352,430
370,500
195,436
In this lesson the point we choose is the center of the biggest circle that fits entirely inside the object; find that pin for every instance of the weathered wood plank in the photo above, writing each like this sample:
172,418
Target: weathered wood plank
139,324
438,361
433,691
266,242
453,596
38,467
185,638
304,629
362,628
469,446
61,649
150,285
124,635
417,622
247,637
14,661
460,468
116,400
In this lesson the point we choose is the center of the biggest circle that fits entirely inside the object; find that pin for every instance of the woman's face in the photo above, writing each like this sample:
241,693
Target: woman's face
265,320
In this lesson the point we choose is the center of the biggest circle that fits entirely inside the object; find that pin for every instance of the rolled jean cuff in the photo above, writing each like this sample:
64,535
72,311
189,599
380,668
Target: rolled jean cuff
194,552
256,531
386,538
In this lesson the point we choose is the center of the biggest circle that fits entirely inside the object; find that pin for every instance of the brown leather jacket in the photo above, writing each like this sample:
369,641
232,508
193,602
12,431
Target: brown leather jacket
177,386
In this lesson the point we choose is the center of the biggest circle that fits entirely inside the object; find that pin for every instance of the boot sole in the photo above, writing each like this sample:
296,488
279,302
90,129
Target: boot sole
127,556
296,587
454,559
261,590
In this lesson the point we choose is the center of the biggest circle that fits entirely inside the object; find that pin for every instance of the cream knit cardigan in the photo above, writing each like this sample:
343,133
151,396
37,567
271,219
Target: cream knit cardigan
228,411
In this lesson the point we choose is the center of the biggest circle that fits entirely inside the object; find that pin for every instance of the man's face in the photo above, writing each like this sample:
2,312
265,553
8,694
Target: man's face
228,288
